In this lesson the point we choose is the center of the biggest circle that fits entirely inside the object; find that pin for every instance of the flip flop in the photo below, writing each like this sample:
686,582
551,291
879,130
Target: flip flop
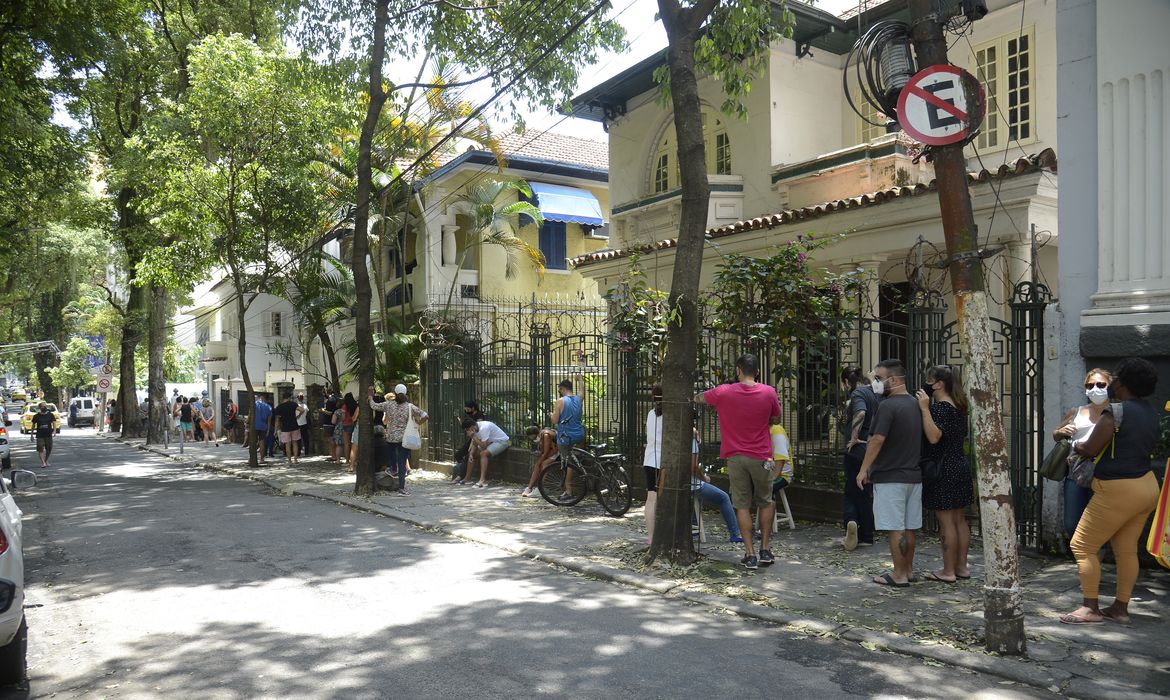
963,578
888,580
1070,619
931,576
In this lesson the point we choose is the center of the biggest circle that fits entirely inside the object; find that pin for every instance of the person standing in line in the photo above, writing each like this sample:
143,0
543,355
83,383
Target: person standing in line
44,424
1125,491
261,421
1076,426
398,414
207,422
287,418
187,419
303,424
230,411
944,420
115,420
349,408
144,413
745,411
892,464
857,512
652,458
327,427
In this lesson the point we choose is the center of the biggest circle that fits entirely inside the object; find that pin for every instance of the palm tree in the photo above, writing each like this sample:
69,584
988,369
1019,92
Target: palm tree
320,289
493,222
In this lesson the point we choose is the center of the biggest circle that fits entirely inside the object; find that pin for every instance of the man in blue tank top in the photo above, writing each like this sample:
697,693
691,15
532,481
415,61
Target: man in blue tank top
566,416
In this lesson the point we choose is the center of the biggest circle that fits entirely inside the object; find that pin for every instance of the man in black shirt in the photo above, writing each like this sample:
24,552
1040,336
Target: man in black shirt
286,416
43,425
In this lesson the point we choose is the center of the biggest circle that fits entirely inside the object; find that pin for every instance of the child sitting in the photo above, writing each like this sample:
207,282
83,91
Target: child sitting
782,473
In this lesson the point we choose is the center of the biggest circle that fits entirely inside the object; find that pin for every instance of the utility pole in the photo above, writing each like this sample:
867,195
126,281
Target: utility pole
1003,613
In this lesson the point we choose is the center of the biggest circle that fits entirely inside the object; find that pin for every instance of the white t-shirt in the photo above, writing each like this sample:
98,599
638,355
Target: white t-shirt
303,419
489,432
653,454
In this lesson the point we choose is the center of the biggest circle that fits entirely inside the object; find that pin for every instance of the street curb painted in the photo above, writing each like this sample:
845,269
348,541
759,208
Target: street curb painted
1033,675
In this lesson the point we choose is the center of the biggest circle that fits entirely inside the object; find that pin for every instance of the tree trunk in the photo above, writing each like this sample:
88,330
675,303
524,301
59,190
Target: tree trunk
156,388
132,323
1003,614
331,358
672,529
361,279
242,348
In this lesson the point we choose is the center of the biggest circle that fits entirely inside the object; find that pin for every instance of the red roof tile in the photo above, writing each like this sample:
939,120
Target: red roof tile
1045,160
547,145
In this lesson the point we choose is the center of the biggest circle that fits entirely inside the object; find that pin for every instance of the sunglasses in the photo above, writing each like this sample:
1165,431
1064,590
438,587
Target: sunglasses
1099,385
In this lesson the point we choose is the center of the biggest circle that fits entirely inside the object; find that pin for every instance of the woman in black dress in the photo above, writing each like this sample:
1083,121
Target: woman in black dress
944,421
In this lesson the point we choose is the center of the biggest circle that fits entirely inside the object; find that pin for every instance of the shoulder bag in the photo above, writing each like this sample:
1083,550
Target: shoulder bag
1055,464
411,439
1082,470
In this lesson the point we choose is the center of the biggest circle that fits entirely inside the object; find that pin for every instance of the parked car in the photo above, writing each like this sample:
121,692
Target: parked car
5,447
29,410
85,411
13,627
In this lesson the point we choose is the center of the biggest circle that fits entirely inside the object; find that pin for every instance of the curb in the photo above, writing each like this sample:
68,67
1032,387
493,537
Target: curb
1029,674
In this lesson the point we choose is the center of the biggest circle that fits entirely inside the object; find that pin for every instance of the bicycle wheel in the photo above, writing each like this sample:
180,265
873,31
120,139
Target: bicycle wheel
560,486
614,491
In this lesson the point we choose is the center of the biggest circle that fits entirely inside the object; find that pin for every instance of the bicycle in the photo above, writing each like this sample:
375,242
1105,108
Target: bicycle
567,485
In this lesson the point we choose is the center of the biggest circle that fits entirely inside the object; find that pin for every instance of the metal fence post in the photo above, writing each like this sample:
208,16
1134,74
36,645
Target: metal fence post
1027,406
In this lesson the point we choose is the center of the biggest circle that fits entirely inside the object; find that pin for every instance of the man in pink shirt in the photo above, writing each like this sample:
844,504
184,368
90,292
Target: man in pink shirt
745,409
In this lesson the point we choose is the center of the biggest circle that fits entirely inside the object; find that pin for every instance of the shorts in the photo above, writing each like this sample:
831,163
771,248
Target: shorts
751,484
287,436
897,507
207,425
495,449
651,477
349,428
44,442
185,426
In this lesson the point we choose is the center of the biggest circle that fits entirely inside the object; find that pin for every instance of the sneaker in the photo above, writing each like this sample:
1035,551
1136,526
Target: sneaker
850,542
481,484
766,558
750,561
403,492
736,539
526,492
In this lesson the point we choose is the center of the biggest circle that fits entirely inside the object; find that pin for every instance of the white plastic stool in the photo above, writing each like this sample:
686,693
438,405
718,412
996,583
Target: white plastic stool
786,517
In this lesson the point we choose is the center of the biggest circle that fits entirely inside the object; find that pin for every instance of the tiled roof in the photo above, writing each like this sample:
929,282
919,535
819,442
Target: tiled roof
1045,160
547,145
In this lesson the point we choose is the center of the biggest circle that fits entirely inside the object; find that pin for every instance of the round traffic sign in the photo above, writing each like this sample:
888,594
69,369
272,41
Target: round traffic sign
941,104
103,384
107,369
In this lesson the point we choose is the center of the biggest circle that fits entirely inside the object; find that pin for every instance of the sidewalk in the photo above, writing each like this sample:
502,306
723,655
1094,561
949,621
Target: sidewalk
815,589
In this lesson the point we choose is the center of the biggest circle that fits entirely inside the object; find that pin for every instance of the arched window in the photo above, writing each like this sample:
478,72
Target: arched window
664,175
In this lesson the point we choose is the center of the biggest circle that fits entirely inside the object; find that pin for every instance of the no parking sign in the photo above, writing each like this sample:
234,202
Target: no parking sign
940,105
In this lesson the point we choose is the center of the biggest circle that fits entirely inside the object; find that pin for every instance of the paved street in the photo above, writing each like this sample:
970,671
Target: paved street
152,579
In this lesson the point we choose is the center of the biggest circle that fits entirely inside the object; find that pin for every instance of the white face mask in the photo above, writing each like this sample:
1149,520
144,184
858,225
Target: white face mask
1097,396
878,387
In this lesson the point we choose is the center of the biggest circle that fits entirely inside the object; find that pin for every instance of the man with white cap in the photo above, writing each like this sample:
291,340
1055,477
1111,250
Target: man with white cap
398,414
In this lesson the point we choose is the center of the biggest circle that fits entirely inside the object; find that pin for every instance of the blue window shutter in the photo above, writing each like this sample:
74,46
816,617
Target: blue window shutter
553,245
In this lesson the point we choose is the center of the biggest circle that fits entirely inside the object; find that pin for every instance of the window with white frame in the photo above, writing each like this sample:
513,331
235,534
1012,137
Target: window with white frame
1006,68
275,326
716,144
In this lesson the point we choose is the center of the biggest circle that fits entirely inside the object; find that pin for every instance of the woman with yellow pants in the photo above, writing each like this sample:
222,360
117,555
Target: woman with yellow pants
1124,491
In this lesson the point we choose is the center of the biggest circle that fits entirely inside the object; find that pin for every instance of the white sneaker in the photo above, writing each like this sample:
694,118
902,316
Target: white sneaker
526,492
850,541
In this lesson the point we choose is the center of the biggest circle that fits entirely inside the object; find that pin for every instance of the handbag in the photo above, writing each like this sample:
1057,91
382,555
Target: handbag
931,470
411,439
1082,470
1158,542
1055,464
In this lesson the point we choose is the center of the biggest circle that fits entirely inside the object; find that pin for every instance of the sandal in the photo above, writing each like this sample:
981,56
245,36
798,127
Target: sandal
931,576
1074,619
888,580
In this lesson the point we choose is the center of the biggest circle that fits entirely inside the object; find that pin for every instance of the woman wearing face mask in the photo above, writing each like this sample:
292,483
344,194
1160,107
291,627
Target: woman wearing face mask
1076,426
944,422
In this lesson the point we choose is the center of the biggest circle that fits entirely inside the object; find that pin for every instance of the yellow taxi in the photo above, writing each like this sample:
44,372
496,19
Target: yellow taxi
30,410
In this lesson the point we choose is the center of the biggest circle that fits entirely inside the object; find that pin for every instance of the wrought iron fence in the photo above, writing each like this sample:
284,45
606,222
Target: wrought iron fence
511,357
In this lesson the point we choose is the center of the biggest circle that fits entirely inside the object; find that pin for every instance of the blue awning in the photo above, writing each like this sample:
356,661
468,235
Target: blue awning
568,204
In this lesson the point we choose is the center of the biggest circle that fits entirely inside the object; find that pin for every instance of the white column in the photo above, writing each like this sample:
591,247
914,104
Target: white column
450,249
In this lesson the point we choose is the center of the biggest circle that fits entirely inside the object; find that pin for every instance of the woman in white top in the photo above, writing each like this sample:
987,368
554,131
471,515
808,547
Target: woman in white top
652,459
1076,426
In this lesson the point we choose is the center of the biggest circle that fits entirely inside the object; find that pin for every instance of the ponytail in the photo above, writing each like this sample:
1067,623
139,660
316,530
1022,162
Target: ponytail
953,383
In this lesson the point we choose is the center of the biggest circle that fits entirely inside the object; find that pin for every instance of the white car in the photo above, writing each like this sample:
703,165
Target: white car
85,411
13,628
